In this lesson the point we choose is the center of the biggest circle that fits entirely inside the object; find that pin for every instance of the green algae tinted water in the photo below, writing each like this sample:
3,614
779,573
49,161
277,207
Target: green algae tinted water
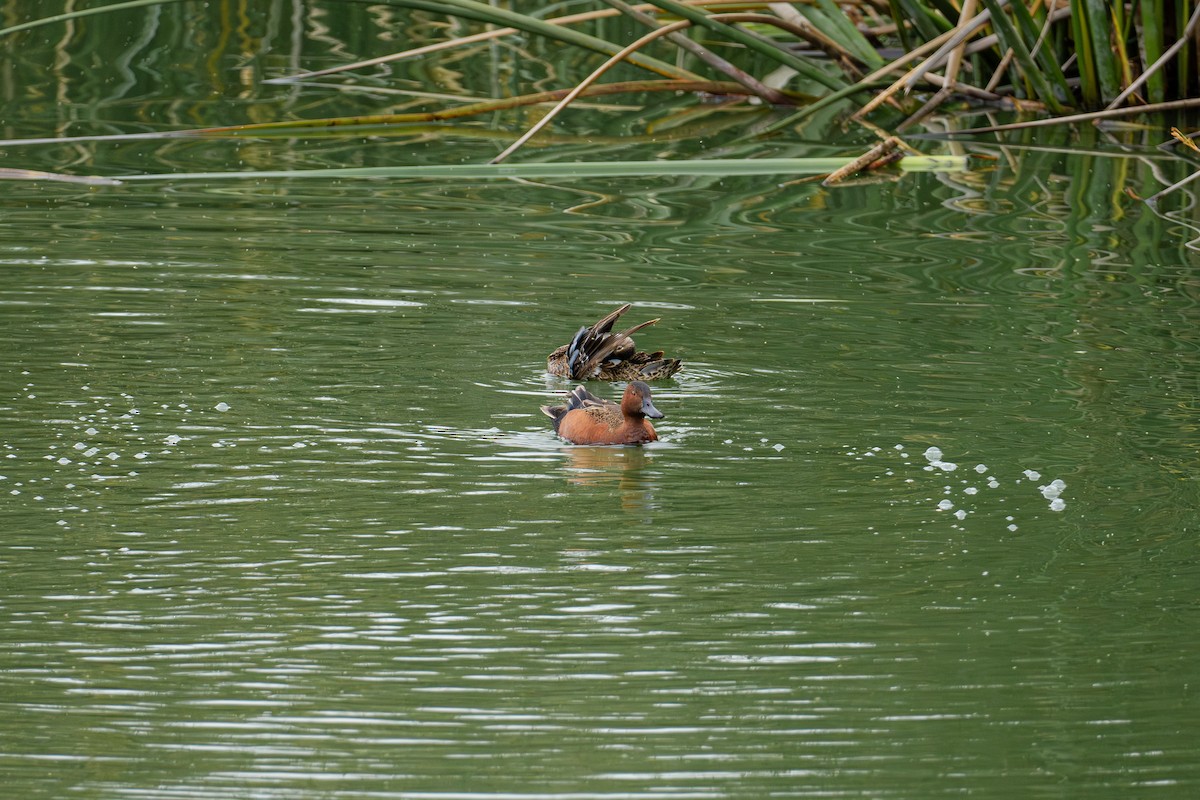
281,517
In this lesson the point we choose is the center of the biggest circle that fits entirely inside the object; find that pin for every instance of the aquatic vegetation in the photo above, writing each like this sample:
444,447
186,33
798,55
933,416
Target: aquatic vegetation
900,68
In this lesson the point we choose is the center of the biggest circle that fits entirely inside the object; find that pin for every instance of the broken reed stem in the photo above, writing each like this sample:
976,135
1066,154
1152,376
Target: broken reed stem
876,153
957,36
618,58
1001,69
956,55
886,95
953,63
772,96
588,81
802,29
483,36
1162,61
471,110
1091,116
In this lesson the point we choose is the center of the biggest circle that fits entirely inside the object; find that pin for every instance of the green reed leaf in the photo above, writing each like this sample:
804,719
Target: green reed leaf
601,169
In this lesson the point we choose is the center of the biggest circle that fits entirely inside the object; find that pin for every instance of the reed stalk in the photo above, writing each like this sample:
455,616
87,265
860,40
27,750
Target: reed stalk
1070,62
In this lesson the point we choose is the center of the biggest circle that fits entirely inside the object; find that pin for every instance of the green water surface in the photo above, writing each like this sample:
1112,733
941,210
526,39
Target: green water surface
281,518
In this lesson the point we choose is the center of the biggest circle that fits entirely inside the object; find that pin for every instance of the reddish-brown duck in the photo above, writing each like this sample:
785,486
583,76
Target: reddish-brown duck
587,419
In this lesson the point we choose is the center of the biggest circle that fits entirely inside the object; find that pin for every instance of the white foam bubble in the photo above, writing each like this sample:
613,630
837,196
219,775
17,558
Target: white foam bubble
933,453
222,406
945,505
981,468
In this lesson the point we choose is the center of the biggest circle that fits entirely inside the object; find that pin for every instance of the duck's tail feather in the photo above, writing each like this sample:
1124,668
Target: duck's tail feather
555,413
659,368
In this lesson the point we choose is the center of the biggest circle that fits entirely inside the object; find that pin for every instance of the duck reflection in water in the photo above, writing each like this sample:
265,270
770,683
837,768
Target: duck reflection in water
626,468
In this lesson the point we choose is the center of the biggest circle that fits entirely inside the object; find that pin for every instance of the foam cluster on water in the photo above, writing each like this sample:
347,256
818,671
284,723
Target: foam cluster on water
934,456
1052,492
762,442
95,441
964,497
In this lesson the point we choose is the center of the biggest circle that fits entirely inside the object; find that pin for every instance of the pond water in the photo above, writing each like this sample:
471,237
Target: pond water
282,518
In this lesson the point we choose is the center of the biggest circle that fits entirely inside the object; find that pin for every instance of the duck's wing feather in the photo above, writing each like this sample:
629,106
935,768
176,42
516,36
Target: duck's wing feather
605,348
605,323
589,337
578,397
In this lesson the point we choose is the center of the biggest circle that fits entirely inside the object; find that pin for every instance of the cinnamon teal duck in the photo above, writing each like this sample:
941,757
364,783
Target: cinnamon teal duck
587,419
596,353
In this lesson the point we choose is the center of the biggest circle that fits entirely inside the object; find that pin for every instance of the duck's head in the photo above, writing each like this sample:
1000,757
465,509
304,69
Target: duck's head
636,401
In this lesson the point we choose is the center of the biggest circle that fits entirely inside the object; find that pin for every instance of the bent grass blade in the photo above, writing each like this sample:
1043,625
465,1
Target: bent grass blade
605,169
